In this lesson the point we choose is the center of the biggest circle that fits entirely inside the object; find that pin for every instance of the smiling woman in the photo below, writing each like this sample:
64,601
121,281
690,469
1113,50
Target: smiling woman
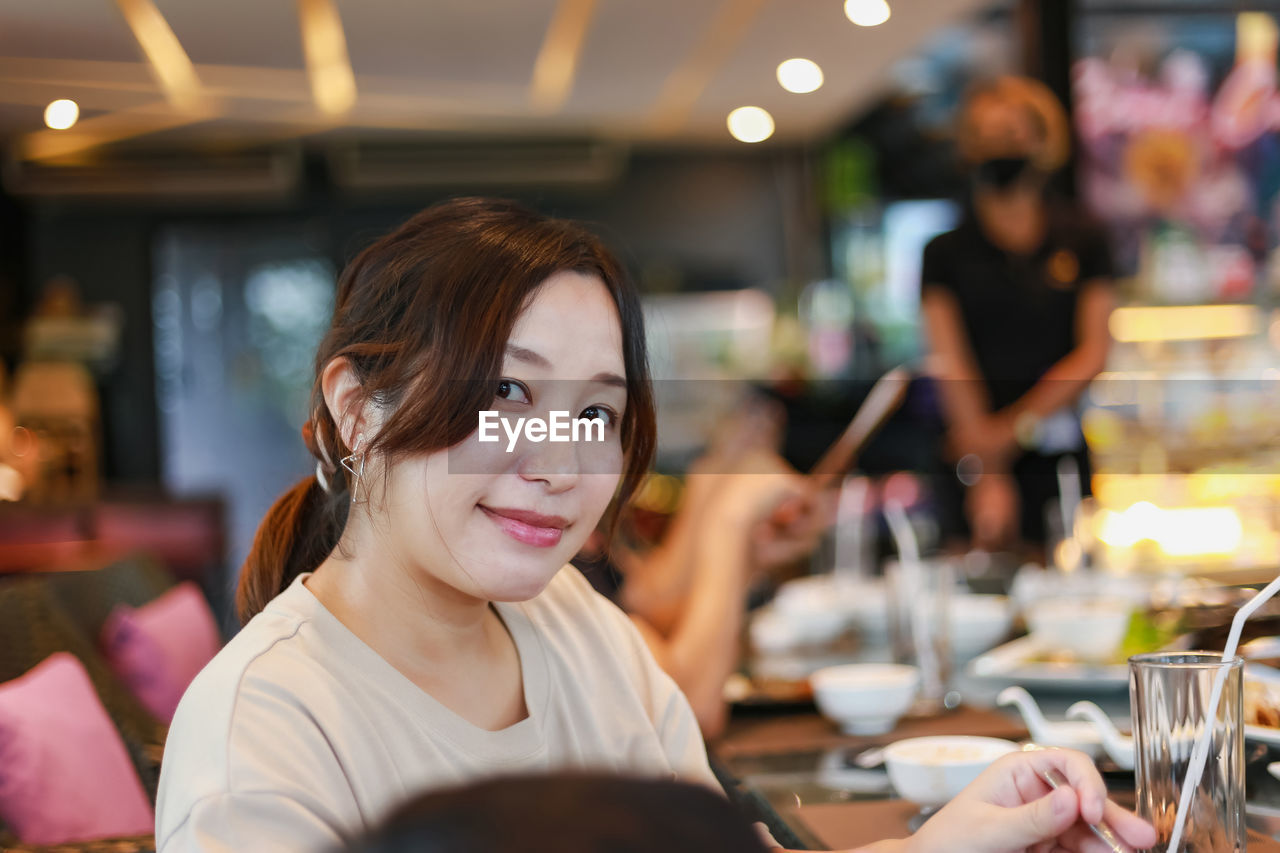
410,619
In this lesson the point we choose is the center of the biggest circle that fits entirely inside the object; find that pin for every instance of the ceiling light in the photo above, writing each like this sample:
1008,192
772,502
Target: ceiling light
800,76
61,114
866,13
750,124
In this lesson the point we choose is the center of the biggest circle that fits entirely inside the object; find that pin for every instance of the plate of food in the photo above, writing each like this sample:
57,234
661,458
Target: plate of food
1262,704
1031,662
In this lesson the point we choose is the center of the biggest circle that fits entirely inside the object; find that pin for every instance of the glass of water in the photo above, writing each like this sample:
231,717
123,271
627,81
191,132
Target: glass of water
1169,696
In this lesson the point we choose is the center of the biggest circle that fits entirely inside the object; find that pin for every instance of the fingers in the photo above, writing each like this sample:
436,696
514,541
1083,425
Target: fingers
1082,775
1041,820
1133,830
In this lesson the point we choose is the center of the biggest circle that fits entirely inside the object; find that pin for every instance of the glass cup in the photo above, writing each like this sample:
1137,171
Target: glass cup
920,607
1169,696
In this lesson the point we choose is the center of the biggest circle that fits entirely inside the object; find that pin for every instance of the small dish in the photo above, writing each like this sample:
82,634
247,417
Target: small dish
865,698
929,771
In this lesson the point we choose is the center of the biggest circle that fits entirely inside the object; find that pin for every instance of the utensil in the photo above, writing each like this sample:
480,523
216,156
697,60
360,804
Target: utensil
882,400
1069,735
1102,830
1119,747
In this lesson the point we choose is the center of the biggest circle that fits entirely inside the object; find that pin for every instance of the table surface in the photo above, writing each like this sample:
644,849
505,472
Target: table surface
790,767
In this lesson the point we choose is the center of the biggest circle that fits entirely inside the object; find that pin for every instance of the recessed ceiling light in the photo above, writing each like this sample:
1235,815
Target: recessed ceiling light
867,13
61,114
800,76
750,124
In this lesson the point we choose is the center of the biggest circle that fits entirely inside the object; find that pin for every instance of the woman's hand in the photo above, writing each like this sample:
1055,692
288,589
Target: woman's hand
1011,808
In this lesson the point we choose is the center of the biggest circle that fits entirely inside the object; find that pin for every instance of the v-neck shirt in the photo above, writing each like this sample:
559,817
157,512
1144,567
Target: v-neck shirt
298,734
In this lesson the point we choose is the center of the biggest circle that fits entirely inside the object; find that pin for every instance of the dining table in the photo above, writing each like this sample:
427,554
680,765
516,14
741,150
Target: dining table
797,772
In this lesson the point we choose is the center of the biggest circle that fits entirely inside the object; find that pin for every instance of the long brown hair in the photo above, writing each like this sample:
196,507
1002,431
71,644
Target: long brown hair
436,300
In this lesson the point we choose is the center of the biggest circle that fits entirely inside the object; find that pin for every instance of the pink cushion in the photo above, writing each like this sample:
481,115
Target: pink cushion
157,649
64,771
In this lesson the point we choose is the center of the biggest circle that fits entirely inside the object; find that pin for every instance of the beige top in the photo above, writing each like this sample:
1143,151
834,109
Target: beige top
298,734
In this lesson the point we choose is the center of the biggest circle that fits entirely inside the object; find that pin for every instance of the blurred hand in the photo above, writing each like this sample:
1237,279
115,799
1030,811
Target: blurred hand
991,506
991,439
1010,807
752,490
792,530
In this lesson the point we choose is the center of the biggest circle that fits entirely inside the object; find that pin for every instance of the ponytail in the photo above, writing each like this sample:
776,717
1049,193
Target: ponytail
298,533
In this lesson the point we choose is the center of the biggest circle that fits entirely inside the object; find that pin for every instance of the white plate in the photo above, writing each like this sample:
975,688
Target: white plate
1271,737
1014,663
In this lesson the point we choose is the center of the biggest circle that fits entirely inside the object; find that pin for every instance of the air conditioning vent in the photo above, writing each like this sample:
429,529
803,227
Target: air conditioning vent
365,166
130,173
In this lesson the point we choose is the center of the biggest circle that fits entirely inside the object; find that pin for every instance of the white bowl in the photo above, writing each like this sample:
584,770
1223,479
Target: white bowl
929,771
1091,629
978,623
865,698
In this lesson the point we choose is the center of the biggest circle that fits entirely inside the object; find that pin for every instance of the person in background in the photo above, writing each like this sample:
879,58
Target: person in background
688,595
410,620
1015,304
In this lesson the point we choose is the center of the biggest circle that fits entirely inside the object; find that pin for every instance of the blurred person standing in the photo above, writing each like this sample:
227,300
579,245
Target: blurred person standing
1015,304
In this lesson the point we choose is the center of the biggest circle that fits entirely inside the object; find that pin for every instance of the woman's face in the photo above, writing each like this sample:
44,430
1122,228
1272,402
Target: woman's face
496,520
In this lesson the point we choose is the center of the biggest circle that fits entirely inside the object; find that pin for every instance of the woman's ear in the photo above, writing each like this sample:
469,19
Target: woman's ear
344,396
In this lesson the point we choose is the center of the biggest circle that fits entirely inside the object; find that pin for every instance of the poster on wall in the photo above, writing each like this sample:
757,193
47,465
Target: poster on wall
1179,138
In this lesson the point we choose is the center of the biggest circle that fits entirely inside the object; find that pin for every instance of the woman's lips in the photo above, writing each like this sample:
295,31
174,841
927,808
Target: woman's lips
531,528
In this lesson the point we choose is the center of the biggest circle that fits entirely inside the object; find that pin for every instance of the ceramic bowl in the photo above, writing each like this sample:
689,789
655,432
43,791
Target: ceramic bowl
1090,629
929,771
865,698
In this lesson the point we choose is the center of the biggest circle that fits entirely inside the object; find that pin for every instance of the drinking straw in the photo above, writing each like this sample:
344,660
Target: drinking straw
850,507
1200,753
1069,495
904,536
911,589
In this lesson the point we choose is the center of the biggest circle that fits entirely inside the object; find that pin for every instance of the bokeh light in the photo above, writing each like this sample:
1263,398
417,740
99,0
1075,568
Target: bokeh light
61,114
800,76
750,124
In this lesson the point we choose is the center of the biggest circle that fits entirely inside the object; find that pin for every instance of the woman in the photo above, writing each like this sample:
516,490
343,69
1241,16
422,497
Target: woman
409,625
1015,304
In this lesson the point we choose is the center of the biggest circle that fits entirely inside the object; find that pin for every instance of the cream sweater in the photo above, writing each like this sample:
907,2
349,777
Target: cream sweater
298,734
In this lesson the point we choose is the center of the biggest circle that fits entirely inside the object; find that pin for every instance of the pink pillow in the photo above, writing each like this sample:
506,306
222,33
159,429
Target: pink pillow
157,649
64,772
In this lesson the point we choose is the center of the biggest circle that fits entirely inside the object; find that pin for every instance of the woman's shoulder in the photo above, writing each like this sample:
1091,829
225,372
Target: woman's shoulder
262,672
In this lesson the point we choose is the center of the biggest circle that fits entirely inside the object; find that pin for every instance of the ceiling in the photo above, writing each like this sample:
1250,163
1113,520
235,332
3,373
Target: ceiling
636,70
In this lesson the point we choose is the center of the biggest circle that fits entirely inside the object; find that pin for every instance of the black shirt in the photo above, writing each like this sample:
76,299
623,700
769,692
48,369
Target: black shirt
1019,311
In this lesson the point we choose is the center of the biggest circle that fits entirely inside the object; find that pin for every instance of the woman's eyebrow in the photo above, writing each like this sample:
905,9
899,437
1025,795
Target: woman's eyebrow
610,379
528,356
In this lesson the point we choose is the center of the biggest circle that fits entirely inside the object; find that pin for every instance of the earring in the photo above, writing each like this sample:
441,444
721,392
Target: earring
350,463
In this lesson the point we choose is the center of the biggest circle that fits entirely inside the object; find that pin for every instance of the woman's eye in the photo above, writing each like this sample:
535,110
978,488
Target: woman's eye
602,413
509,389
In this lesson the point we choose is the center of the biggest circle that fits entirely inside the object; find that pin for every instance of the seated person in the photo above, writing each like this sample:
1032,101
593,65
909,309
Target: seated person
411,621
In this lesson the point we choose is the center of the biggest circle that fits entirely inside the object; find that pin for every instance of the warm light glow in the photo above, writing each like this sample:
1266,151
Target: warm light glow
61,114
867,13
1184,323
333,84
800,76
1185,532
750,124
168,60
557,61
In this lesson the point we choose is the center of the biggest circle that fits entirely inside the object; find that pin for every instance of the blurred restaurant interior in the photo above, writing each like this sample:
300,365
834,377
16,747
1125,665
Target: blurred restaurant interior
183,182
